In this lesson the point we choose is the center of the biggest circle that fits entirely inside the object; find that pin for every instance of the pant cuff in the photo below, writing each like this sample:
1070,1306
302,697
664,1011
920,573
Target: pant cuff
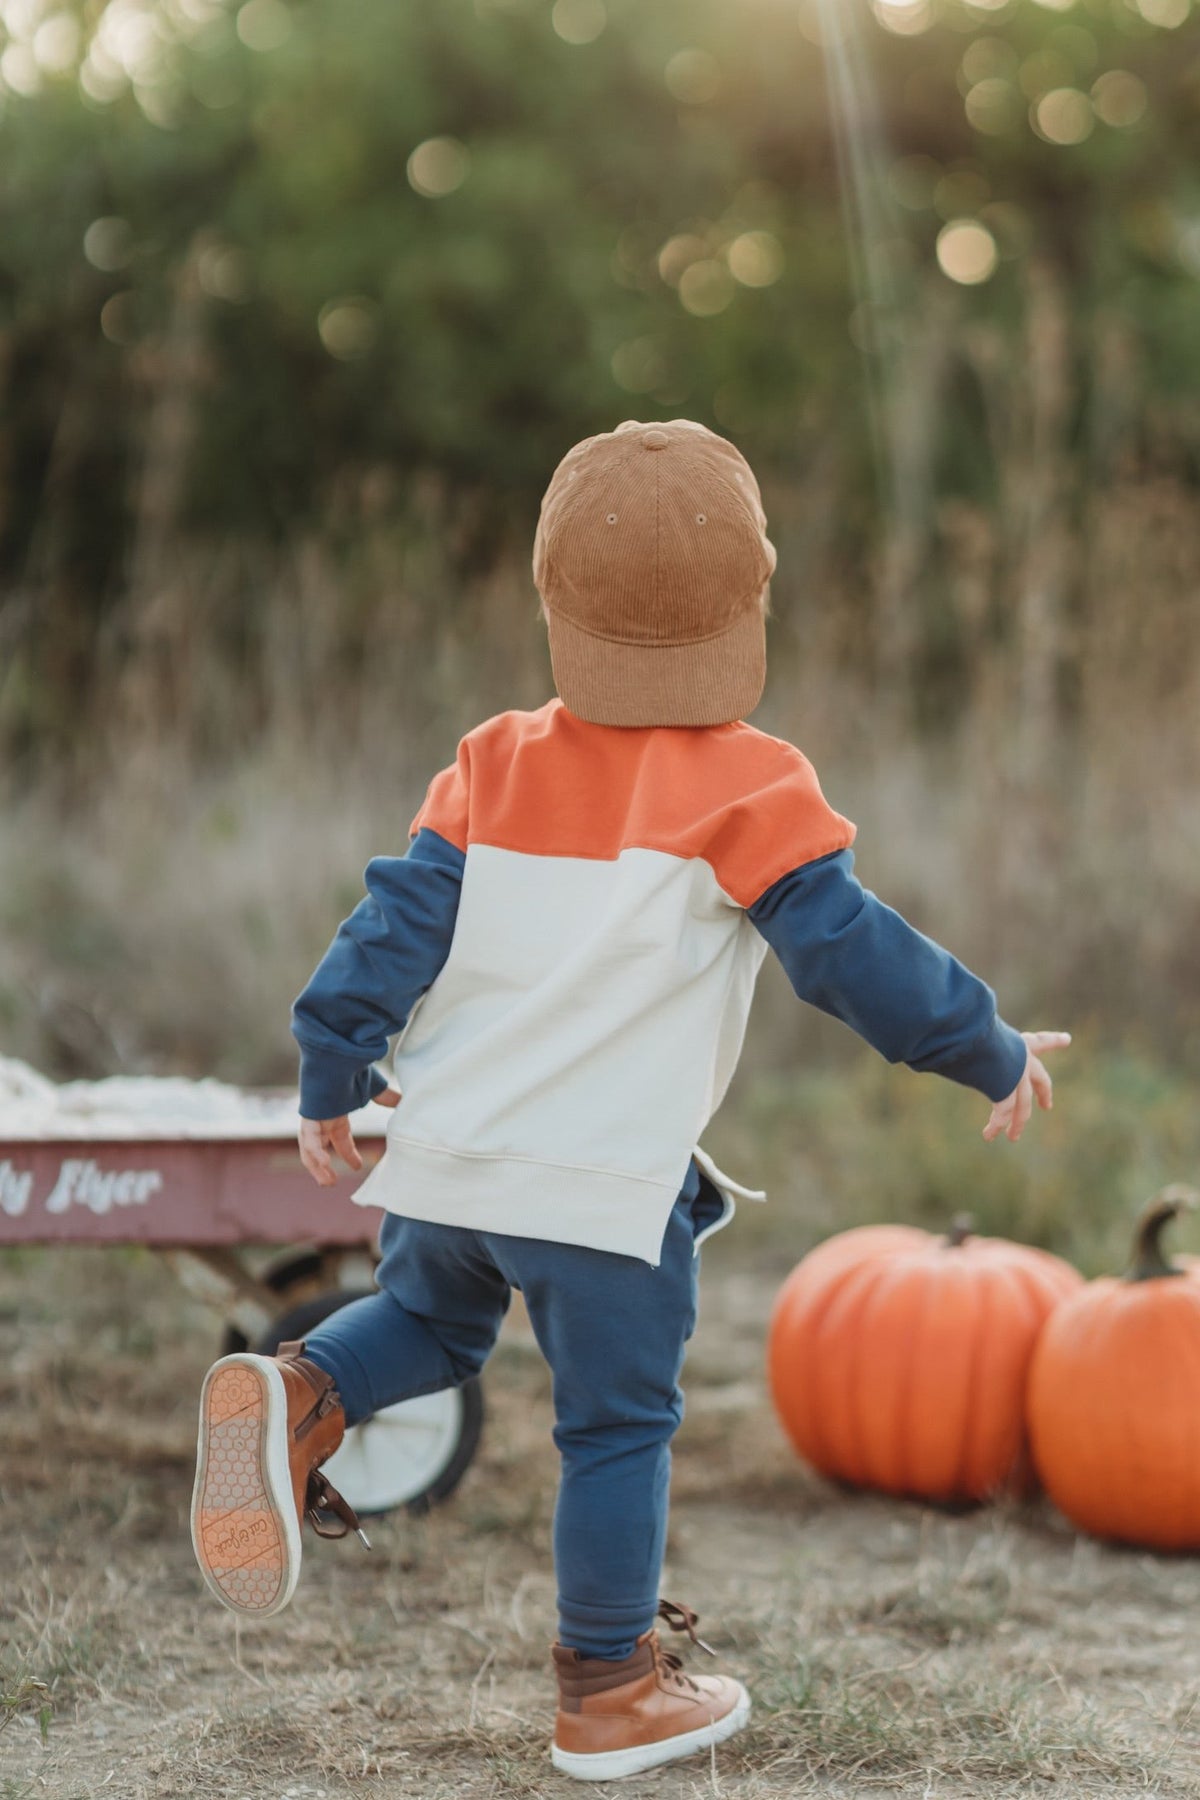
350,1378
609,1632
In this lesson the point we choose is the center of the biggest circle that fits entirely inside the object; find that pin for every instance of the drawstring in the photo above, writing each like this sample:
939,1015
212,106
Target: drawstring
321,1496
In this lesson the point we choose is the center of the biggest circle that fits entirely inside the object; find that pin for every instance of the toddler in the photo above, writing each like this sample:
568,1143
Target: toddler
569,948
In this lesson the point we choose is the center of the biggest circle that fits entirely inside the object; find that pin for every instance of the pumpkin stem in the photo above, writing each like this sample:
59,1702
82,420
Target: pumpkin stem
1149,1261
960,1230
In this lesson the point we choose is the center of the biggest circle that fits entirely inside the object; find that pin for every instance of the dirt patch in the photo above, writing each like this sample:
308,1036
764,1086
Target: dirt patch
890,1649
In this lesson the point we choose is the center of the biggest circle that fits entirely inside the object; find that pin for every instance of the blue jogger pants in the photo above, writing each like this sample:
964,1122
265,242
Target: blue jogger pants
613,1331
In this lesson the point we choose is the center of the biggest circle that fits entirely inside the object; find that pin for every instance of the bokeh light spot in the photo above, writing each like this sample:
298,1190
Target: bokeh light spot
159,103
755,258
100,78
987,58
677,254
19,71
438,166
693,76
906,18
117,319
348,327
132,37
264,24
1119,98
1169,14
224,273
108,243
19,18
993,106
1064,116
579,21
966,252
706,287
56,43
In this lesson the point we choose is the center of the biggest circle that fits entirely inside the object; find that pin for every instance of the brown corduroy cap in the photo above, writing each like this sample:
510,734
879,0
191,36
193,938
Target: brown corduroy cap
652,560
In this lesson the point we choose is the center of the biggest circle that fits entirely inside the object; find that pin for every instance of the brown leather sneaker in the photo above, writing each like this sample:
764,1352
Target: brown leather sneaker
618,1718
266,1425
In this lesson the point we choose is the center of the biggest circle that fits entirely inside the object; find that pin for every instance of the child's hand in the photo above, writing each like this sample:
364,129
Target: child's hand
319,1136
1012,1115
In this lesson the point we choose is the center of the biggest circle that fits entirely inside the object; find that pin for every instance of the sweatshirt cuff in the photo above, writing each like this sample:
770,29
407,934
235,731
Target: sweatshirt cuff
994,1063
332,1086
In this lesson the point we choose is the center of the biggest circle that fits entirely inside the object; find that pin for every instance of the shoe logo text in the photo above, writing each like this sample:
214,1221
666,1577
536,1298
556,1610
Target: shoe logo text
229,1541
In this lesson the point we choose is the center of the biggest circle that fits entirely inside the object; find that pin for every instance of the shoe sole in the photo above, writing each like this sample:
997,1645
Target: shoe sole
612,1765
245,1530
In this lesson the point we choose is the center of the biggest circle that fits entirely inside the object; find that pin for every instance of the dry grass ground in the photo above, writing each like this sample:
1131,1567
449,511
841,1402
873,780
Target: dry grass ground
892,1650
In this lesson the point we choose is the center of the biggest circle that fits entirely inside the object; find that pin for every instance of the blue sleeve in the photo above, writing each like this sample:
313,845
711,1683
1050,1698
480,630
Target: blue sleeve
385,955
847,953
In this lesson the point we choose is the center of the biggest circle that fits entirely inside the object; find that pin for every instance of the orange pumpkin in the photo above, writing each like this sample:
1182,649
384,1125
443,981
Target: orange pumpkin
898,1359
1114,1396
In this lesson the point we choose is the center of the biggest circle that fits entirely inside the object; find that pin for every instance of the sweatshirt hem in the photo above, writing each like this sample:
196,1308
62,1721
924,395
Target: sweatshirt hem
518,1196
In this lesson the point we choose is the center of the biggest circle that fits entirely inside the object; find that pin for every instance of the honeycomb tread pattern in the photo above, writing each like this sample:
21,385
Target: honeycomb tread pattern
238,1534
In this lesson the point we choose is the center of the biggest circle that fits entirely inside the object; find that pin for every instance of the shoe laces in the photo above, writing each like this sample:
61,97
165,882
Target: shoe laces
682,1618
322,1498
670,1666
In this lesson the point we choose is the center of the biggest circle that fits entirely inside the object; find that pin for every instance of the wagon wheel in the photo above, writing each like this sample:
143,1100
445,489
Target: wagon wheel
412,1454
295,1275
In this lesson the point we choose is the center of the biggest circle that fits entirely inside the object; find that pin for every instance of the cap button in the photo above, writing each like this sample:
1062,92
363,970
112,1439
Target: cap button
655,440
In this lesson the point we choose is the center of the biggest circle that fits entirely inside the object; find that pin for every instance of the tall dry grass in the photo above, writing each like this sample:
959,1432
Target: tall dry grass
1002,690
259,726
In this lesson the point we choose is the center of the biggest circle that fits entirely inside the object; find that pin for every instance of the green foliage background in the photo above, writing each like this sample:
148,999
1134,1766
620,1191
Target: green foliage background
274,424
270,184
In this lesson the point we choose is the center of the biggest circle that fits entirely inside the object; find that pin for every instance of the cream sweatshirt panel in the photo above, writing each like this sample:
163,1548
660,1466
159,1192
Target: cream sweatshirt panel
585,1026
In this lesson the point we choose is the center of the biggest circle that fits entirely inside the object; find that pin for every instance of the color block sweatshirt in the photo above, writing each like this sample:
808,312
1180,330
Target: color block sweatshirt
569,950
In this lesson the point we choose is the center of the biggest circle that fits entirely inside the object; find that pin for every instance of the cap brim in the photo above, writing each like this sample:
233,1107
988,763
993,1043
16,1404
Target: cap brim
710,683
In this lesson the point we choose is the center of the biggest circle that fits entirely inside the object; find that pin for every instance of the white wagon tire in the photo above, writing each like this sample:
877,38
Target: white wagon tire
402,1455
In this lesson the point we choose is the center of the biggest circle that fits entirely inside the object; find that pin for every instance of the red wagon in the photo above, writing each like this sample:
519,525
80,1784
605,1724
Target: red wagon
209,1177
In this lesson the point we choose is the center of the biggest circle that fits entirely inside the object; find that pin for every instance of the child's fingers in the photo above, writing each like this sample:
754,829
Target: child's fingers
1021,1111
1043,1087
1001,1114
341,1139
311,1164
313,1154
1013,1114
1041,1041
389,1097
